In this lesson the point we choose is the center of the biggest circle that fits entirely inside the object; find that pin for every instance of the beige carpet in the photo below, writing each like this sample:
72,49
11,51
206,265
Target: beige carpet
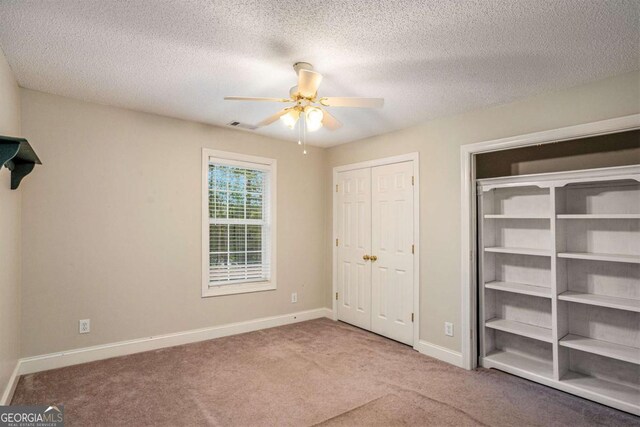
317,372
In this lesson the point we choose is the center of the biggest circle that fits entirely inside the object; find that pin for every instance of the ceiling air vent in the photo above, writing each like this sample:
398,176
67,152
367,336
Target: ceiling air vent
236,124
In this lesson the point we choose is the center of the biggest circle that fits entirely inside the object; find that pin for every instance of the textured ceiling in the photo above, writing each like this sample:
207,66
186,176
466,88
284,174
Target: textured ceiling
426,58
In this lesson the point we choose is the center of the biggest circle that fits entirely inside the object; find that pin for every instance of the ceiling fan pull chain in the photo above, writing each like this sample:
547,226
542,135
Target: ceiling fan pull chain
304,134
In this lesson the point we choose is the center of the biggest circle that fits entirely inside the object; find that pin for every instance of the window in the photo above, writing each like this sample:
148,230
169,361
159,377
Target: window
238,223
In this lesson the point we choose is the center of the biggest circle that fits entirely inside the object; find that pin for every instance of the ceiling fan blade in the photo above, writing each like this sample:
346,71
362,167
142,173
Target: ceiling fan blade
330,122
352,102
308,82
273,118
247,98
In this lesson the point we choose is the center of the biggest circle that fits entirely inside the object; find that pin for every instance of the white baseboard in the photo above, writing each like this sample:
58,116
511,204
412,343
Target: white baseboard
441,353
45,362
11,385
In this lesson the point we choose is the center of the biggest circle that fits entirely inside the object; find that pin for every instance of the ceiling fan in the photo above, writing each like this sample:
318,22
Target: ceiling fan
308,105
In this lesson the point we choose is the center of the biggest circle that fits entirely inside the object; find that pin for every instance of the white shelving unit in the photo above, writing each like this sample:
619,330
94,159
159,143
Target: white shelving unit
559,281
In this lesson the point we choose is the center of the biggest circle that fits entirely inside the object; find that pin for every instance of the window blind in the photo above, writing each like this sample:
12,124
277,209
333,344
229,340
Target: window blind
239,224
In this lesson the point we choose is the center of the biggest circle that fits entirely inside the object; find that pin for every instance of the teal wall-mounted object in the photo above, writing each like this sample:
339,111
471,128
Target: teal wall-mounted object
18,156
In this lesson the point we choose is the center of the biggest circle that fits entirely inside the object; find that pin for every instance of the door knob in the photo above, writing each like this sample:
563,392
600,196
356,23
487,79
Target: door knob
373,258
366,257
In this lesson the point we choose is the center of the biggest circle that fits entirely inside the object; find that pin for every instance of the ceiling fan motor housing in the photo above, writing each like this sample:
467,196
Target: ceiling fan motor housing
302,66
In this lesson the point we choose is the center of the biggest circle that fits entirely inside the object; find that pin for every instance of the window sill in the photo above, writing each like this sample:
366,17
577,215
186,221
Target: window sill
242,288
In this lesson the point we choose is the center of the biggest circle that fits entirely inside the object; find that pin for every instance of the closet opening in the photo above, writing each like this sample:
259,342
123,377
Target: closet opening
555,270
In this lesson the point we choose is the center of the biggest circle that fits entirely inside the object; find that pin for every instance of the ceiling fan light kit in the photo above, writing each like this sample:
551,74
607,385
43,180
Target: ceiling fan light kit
313,114
307,109
290,118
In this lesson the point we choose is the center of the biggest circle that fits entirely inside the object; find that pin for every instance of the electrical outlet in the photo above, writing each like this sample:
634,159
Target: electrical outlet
448,329
294,297
84,326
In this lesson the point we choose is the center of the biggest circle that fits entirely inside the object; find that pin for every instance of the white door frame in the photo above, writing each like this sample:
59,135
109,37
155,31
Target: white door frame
468,208
409,157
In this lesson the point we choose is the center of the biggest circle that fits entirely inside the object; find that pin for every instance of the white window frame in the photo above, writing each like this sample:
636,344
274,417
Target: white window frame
242,160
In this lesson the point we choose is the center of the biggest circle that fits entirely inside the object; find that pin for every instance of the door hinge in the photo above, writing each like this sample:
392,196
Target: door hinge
413,249
336,188
413,180
336,296
411,317
336,242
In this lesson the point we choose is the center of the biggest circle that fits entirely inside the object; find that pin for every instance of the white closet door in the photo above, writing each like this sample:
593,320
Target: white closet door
354,234
392,240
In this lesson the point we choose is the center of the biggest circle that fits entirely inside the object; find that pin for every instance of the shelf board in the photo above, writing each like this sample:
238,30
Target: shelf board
506,359
599,216
601,300
18,156
518,251
633,259
602,348
522,329
521,216
612,390
520,288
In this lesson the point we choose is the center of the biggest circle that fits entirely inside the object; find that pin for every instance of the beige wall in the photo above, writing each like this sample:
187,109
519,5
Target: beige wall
438,143
9,232
112,231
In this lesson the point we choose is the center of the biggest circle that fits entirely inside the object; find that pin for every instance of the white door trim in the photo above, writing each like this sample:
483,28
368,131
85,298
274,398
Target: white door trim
468,207
409,157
